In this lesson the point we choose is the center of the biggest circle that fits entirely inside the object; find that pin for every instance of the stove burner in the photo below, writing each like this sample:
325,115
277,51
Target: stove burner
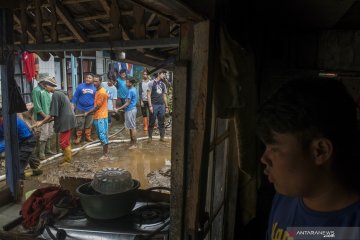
76,214
151,214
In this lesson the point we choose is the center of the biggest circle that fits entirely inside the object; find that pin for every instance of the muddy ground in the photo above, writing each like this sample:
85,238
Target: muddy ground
149,163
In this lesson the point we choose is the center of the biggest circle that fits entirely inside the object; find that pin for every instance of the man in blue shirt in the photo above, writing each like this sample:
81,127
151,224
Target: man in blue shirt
309,128
121,86
130,111
27,143
83,102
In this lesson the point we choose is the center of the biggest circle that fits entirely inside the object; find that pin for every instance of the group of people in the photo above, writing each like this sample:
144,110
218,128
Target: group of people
93,103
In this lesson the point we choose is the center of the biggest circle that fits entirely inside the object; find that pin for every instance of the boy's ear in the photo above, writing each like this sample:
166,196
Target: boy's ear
322,150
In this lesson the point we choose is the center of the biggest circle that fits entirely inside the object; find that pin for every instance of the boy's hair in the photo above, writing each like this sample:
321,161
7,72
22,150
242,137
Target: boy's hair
90,74
122,71
98,77
132,80
313,107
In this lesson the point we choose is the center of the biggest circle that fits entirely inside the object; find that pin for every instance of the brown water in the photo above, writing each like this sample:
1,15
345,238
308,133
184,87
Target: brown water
139,162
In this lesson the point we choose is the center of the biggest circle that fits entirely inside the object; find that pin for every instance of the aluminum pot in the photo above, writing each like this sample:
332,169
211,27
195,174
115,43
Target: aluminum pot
112,180
107,206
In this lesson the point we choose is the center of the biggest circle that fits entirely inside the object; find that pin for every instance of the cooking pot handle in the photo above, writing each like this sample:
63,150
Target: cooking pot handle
158,188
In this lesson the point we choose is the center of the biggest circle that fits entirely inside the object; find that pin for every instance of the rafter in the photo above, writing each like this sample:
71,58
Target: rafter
172,10
92,46
105,5
150,20
70,23
24,23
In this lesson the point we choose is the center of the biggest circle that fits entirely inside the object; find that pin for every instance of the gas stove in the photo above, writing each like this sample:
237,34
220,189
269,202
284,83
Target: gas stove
148,220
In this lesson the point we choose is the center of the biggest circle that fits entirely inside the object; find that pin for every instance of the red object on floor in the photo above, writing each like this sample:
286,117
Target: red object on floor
41,200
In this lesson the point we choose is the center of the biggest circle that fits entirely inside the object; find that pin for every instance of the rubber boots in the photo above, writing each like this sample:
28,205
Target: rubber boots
78,136
48,148
88,135
42,146
67,156
145,124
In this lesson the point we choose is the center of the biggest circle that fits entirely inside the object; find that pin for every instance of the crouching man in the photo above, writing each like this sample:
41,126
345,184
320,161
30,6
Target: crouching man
27,143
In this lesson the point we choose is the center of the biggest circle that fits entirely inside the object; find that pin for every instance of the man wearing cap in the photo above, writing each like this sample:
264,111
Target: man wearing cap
83,101
63,115
41,101
27,143
158,104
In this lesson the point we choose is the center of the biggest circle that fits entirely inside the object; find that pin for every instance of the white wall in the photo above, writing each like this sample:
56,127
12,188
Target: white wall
99,63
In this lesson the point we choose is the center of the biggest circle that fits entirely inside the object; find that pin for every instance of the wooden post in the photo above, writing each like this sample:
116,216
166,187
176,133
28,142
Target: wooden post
197,126
10,129
177,150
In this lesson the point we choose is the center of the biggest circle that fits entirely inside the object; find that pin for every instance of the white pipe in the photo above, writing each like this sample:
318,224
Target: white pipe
88,146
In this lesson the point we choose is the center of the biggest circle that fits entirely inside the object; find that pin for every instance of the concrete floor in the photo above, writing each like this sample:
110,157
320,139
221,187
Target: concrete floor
9,212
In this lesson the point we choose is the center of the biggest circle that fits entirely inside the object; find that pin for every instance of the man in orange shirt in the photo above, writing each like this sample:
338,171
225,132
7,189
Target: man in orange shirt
100,112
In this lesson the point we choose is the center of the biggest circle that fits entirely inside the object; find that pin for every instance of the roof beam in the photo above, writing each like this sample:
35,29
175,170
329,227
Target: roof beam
151,19
105,5
38,20
24,23
70,23
93,46
172,10
79,19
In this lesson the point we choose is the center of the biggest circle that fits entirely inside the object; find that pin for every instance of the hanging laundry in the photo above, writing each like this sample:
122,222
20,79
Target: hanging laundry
28,66
128,67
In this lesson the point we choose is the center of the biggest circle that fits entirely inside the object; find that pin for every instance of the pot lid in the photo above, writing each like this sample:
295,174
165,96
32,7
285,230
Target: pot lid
112,180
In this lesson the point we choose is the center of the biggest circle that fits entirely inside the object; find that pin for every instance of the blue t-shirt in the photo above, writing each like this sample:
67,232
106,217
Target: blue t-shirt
122,88
291,212
133,98
22,129
83,98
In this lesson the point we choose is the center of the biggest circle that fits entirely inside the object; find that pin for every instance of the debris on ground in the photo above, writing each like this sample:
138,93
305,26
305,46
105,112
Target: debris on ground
160,178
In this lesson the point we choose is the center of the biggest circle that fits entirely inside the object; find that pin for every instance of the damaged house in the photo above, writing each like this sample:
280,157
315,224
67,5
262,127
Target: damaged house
227,57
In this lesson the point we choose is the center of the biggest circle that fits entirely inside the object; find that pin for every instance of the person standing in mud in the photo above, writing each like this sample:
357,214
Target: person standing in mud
112,96
82,102
158,104
42,101
100,112
144,86
130,111
63,115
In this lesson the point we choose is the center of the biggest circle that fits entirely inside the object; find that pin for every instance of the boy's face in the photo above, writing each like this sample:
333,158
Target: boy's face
289,167
123,75
89,79
162,76
128,84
